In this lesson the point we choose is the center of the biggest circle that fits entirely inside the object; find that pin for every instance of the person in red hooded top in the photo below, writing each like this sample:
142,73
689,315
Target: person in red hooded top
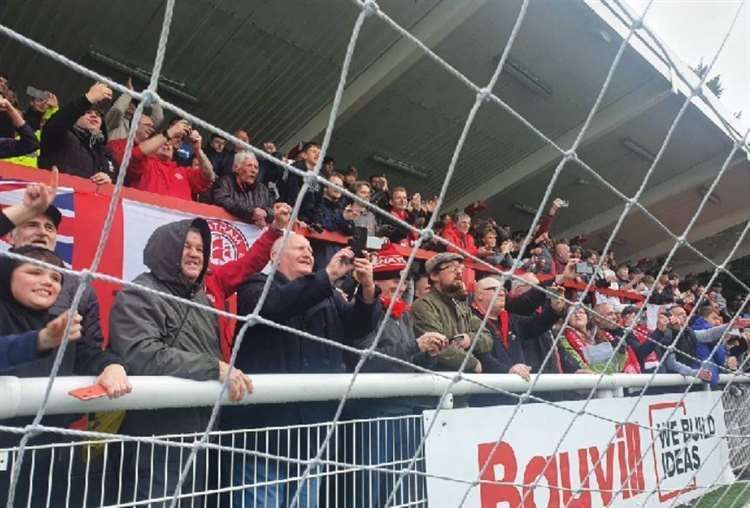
222,282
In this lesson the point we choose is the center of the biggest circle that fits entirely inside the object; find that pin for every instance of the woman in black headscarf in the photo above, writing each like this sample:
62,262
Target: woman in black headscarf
27,292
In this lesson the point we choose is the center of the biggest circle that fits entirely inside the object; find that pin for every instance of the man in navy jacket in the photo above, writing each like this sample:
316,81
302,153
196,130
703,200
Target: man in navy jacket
508,330
307,301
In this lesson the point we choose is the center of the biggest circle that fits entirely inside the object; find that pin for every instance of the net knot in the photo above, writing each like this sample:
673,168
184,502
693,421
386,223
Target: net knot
149,97
252,320
484,94
426,234
314,462
86,275
638,24
457,377
309,178
370,7
570,155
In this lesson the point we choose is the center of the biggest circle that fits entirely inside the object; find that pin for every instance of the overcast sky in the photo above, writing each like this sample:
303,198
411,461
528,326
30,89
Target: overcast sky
694,29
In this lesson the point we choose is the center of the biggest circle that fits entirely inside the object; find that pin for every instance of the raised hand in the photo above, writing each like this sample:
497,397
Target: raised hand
39,196
52,335
340,264
98,92
281,214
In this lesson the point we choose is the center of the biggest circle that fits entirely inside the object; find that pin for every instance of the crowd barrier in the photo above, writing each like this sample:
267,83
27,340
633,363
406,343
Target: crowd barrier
351,471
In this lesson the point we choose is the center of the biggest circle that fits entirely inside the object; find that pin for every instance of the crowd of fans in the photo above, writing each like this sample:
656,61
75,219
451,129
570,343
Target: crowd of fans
346,296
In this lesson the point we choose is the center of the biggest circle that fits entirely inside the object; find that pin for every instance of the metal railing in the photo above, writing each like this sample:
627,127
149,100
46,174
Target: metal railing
23,396
263,467
258,467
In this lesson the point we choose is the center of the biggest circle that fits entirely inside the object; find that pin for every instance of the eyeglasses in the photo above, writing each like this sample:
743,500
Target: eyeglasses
455,268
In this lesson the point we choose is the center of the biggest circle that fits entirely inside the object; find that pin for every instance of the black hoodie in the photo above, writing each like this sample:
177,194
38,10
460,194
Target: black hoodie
73,150
162,337
82,357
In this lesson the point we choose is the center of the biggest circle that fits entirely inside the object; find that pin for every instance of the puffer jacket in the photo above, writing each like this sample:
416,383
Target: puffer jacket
440,313
160,337
73,150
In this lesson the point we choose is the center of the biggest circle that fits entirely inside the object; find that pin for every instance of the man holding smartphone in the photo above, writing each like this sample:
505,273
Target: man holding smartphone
444,310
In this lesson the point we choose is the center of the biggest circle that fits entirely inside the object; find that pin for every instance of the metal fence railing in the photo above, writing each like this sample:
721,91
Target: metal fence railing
263,467
249,468
736,401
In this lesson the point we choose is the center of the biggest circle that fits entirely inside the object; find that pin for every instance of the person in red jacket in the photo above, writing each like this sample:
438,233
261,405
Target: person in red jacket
457,233
221,283
152,168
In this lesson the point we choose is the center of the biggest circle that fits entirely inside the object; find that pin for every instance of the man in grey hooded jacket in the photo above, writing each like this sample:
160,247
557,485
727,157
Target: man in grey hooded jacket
162,337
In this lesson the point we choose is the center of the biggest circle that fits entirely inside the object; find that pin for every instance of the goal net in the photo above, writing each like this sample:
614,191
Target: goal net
617,430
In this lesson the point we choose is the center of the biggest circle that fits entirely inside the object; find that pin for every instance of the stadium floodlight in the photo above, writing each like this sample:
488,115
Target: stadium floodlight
401,166
638,150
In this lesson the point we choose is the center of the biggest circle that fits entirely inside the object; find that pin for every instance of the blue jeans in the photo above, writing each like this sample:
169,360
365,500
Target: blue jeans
272,495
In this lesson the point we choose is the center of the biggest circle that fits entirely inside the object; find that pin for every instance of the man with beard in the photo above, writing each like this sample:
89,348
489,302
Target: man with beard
444,310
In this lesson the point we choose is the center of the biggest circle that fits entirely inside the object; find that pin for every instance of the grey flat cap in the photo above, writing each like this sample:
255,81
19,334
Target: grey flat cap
439,259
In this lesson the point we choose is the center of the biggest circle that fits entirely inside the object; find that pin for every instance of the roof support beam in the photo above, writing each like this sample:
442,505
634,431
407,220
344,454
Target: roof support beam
608,119
682,182
440,22
701,266
699,232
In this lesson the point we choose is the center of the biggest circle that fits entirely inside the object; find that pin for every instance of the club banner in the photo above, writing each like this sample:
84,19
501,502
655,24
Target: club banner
680,441
84,213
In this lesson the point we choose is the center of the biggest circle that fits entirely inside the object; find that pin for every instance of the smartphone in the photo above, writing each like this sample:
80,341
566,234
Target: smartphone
35,93
456,338
358,241
88,392
584,269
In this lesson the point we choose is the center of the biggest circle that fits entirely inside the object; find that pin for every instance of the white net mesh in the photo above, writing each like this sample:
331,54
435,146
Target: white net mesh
399,475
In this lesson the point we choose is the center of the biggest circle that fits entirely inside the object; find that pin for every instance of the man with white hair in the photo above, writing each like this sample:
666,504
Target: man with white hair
305,300
241,193
508,330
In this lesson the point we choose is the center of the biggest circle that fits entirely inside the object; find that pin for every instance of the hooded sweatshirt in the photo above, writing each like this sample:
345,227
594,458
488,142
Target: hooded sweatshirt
161,337
73,150
81,357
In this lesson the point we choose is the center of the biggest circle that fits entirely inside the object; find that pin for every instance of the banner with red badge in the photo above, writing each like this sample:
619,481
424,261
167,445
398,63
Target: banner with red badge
681,442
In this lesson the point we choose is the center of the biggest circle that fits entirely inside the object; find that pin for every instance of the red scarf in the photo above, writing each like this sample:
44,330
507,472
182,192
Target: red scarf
641,334
632,365
504,325
575,339
503,320
399,307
